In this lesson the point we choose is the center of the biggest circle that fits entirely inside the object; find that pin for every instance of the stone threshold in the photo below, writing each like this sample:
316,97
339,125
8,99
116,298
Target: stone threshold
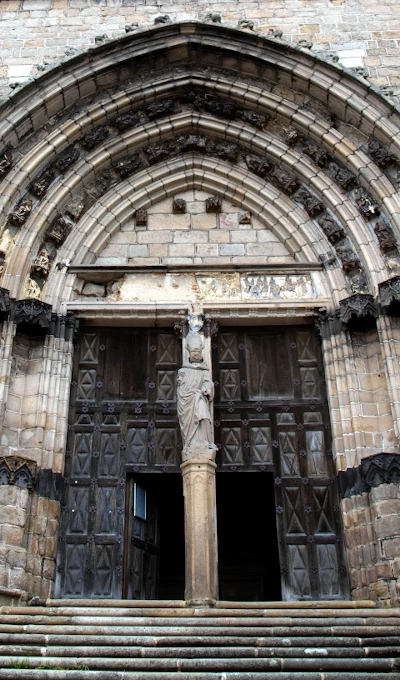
220,604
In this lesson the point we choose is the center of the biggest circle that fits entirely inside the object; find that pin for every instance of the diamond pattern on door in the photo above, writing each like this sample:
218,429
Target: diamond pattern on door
166,443
90,346
86,384
109,455
137,445
74,570
105,516
289,457
78,513
82,455
166,385
228,347
316,453
104,569
167,349
323,510
260,443
328,570
230,388
309,382
306,346
232,453
294,510
299,570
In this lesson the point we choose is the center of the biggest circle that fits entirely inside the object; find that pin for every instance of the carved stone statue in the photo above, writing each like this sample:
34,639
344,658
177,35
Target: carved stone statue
195,394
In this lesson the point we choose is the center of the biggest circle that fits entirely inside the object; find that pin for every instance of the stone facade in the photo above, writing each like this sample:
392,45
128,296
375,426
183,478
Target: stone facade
39,33
231,169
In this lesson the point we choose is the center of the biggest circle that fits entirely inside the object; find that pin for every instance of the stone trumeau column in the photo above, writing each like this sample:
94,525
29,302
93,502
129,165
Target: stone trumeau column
195,395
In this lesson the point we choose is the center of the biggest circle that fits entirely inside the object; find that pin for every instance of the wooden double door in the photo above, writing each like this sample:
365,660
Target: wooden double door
122,514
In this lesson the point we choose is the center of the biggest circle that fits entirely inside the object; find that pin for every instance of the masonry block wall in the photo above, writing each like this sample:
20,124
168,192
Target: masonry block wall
360,33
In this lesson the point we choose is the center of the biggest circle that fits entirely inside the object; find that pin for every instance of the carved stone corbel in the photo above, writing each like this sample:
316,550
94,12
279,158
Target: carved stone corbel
17,471
5,303
389,291
33,312
359,306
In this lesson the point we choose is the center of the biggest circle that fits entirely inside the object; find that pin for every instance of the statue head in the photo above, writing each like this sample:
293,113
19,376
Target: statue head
194,345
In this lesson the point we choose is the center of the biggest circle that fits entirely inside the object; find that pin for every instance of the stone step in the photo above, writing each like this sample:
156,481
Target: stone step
196,622
306,652
278,631
239,606
189,613
22,674
199,641
114,641
180,665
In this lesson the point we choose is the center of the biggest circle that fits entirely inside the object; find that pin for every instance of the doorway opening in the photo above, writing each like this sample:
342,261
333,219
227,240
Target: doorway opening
154,538
248,555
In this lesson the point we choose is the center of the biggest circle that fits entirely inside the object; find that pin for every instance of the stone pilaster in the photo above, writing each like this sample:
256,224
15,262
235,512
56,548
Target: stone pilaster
200,532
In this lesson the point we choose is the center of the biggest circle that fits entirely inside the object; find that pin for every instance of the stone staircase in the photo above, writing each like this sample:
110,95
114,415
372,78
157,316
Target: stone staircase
127,640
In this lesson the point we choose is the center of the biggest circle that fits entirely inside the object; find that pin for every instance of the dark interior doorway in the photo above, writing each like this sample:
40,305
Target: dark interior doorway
155,560
247,538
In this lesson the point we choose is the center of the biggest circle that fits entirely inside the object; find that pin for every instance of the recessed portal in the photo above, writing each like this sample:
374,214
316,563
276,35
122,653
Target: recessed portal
155,556
247,538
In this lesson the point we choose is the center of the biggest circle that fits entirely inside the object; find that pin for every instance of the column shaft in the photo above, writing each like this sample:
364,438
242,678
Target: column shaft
201,552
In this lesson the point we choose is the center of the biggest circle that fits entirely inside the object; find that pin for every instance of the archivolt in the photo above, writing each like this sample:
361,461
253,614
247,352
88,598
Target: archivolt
242,68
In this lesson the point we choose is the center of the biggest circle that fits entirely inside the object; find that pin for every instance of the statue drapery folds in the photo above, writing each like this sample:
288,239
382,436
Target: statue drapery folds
195,393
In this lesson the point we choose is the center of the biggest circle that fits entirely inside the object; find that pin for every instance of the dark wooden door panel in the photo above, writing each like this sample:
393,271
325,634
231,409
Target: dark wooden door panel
271,414
122,419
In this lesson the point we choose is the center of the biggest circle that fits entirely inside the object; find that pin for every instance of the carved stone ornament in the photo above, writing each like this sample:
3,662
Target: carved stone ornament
368,207
213,204
5,162
342,176
59,231
292,137
331,228
381,157
383,468
67,158
358,305
227,151
156,152
141,217
162,19
311,204
21,213
125,166
5,304
319,156
217,107
286,182
259,120
260,166
17,471
158,109
40,185
192,143
195,392
328,323
386,237
212,18
33,312
389,291
347,257
127,120
178,206
95,137
246,24
41,264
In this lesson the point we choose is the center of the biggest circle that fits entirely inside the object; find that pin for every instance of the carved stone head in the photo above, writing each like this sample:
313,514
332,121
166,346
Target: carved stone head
194,345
